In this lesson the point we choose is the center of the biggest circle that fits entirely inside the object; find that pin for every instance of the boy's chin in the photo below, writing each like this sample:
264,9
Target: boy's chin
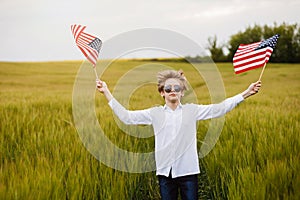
174,100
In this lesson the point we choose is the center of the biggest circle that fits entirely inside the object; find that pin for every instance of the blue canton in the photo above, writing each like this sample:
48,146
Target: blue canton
96,44
271,42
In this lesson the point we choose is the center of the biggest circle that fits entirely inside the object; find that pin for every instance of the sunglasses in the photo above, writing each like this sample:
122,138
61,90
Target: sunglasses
168,88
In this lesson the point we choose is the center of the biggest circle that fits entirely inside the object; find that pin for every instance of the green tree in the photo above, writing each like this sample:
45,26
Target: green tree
217,53
297,45
286,48
288,45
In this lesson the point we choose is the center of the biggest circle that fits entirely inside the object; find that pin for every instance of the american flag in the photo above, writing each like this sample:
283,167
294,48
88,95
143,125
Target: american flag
254,55
88,44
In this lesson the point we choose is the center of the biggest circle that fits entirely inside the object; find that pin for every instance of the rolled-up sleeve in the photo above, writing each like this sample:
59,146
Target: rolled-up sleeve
217,110
130,117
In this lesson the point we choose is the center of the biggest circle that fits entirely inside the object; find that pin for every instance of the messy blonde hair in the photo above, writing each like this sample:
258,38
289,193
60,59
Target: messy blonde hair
164,75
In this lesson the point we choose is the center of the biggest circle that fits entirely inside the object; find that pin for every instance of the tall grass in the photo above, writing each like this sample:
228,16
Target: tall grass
42,157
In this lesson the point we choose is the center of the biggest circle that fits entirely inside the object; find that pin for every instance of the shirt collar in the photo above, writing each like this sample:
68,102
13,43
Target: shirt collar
167,107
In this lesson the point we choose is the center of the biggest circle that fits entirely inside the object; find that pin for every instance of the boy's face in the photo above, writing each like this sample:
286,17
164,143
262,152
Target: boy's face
172,90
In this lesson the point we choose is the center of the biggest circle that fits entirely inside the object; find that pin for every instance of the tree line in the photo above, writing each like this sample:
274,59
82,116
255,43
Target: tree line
287,48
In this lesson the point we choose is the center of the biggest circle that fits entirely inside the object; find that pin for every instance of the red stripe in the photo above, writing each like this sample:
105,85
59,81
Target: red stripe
89,36
241,51
91,51
249,63
82,50
75,29
90,54
92,61
86,55
254,55
84,40
247,45
249,68
247,57
88,47
78,32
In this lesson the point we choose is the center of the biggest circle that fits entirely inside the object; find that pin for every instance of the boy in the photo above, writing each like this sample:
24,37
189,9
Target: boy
174,124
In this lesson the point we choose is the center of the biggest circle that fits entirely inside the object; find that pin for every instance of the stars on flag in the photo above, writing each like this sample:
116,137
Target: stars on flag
271,42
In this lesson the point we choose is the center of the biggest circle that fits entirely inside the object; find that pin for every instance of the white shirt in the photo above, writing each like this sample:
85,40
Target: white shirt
175,131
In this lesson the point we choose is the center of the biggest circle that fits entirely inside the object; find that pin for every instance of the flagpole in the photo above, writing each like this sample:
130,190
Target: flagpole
262,71
96,72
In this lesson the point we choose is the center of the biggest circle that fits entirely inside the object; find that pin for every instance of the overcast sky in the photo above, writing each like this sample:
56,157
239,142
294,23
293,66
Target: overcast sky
39,30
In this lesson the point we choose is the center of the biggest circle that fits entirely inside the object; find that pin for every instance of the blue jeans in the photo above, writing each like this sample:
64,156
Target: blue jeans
187,185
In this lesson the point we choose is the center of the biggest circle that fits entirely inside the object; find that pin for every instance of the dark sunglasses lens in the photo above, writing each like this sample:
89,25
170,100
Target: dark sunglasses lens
177,88
168,88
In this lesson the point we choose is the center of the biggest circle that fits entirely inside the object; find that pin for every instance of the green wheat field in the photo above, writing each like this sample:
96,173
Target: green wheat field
257,155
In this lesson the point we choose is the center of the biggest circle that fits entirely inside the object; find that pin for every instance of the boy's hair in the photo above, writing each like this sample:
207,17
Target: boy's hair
164,75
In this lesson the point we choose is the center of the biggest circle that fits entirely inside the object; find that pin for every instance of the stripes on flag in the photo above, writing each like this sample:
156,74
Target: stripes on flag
254,55
88,44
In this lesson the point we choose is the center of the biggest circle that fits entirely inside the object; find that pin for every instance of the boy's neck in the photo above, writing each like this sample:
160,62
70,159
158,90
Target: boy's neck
172,105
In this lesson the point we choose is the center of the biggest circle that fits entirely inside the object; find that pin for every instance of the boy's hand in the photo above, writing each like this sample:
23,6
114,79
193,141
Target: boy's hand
252,89
101,86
